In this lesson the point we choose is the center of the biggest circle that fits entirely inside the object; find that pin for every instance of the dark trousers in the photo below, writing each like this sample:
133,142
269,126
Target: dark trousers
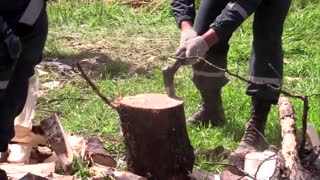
266,60
14,95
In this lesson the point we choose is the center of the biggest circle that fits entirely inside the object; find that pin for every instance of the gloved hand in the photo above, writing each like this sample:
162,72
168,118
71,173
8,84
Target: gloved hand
187,34
193,48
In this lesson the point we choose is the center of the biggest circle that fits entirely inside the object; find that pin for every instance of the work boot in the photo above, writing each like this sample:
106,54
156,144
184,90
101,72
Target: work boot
210,110
253,138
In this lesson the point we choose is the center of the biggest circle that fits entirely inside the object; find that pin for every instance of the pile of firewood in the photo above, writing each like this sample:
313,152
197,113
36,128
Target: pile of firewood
43,150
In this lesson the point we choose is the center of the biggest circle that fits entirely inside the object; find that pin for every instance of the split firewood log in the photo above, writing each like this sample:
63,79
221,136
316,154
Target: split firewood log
289,142
100,172
39,154
19,153
18,171
78,145
23,122
55,176
58,141
97,154
30,176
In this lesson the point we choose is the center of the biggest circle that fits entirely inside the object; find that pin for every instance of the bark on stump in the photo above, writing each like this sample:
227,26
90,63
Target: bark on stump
155,136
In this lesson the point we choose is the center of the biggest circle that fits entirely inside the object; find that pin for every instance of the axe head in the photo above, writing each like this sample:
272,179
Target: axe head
168,77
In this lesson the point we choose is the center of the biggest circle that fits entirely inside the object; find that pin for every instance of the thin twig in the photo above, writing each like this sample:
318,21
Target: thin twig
95,88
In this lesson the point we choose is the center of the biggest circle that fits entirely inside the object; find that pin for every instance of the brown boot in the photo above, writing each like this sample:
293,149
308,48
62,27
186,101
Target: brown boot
253,138
210,110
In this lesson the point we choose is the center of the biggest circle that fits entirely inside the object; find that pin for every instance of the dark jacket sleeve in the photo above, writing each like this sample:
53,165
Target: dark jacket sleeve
183,10
233,15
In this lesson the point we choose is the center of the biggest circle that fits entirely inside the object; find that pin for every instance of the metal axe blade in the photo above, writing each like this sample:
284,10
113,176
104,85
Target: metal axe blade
168,77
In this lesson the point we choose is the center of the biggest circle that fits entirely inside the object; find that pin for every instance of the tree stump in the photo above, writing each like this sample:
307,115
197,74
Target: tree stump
155,136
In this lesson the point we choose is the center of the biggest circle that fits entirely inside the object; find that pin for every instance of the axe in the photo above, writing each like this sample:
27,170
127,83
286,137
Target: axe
168,76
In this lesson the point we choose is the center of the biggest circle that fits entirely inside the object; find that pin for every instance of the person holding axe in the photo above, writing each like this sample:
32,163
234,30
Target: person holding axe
206,35
23,33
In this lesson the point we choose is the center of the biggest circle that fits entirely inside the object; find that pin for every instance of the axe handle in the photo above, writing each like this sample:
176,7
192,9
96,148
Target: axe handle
176,65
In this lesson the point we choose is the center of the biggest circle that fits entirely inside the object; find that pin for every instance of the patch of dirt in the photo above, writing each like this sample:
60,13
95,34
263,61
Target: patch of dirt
114,56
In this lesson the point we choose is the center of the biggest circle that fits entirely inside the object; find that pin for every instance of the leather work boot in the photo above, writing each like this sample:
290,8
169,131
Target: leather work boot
210,110
253,138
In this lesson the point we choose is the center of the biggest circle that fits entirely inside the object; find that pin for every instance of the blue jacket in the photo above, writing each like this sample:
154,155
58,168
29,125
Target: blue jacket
226,23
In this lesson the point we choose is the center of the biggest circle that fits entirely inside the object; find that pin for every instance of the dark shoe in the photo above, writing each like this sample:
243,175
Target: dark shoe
200,117
253,139
210,110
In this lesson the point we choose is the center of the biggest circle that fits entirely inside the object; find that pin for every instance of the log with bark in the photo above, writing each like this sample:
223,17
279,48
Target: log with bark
96,153
155,135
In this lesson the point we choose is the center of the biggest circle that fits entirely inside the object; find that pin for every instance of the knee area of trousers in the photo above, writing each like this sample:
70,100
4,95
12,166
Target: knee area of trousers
209,83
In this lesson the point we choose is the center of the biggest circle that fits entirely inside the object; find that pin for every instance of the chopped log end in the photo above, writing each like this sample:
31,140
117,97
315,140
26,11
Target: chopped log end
97,154
150,101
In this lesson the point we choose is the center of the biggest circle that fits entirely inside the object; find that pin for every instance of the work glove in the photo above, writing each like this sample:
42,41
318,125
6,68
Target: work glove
187,34
192,50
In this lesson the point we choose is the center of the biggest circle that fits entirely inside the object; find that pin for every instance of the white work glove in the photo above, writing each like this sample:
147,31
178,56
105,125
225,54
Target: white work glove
187,34
192,49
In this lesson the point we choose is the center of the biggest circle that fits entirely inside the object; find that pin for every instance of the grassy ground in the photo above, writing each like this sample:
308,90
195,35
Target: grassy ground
131,42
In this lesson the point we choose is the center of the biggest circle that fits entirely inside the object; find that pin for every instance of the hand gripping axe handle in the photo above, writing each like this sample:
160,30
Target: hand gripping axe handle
168,77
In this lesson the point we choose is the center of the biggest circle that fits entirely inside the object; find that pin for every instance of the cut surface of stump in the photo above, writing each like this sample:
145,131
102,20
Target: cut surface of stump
155,135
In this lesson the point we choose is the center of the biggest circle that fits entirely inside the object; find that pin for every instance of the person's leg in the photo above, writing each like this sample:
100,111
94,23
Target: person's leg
208,80
266,67
15,94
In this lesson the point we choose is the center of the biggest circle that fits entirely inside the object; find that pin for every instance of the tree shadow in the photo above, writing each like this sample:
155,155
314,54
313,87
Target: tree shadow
98,64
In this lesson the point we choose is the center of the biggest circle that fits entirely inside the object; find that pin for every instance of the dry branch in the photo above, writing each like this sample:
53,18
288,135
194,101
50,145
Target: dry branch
94,87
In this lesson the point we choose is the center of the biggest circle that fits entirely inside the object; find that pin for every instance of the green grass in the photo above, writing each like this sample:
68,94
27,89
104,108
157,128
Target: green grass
136,44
